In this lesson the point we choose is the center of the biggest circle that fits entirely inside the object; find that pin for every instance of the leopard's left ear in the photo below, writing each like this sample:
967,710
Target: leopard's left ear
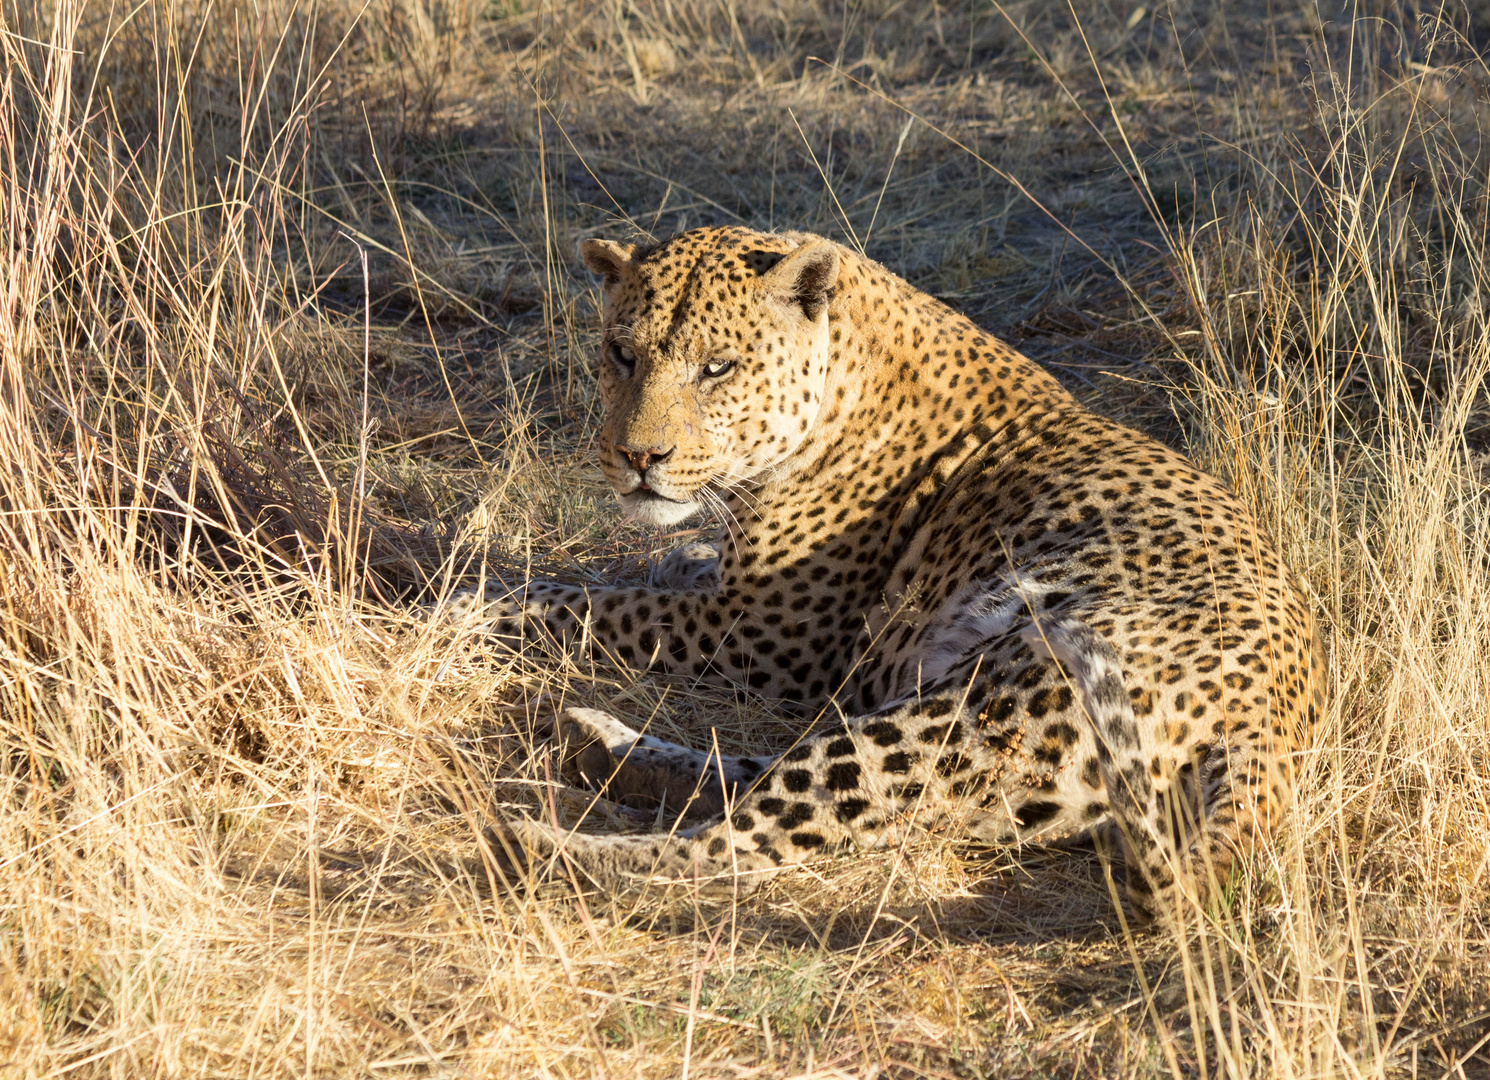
805,277
606,259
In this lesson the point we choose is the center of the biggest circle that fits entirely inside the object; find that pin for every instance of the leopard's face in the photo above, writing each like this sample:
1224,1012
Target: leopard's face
713,362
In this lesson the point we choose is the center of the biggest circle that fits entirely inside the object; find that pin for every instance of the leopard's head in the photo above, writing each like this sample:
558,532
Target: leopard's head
713,361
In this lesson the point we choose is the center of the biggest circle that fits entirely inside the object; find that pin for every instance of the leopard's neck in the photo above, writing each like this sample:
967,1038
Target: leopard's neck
914,387
915,391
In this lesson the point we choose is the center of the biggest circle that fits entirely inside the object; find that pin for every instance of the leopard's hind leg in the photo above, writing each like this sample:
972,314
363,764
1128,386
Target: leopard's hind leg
625,763
1181,823
930,756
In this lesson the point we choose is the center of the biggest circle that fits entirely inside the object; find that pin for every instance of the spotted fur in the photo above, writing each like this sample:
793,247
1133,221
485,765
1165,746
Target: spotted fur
1017,615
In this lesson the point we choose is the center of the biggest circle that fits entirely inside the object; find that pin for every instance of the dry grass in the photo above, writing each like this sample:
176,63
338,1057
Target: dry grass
290,335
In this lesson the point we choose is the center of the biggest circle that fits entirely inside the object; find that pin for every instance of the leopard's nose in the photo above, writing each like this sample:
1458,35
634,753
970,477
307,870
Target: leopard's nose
644,458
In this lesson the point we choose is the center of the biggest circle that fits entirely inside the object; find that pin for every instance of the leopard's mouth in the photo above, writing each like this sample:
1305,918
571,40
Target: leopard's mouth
646,504
660,486
647,491
653,493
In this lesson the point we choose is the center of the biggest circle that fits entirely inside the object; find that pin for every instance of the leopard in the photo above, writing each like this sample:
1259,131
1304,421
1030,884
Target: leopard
992,610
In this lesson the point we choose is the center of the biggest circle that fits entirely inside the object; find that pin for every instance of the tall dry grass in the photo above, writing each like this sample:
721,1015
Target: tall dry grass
291,339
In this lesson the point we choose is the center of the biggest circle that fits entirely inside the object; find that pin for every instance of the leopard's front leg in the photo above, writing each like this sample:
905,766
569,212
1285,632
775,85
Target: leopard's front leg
690,568
539,612
721,635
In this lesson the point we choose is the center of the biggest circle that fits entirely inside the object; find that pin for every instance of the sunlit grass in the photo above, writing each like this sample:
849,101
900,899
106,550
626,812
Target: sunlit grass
291,338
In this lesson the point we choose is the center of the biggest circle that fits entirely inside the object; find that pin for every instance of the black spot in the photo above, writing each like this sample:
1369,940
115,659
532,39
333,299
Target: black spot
937,707
1050,699
882,733
807,840
840,748
843,776
1050,752
1029,677
849,809
1034,814
742,822
951,764
939,733
771,805
717,845
800,752
1000,711
798,813
899,762
797,780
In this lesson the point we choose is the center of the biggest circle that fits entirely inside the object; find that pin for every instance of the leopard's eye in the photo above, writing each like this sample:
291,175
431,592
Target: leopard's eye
623,359
715,368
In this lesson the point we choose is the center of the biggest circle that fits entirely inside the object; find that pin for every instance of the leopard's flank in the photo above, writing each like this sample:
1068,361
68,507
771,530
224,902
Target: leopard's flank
1006,612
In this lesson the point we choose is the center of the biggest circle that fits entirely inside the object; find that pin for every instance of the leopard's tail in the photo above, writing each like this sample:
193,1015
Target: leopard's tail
1152,856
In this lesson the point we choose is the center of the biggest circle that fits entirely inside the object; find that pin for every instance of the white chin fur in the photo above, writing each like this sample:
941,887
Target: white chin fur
651,511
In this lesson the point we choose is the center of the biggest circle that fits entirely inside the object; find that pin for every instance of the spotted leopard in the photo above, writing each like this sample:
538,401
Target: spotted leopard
999,609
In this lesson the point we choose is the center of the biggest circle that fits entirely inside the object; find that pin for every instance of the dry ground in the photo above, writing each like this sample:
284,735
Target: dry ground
291,336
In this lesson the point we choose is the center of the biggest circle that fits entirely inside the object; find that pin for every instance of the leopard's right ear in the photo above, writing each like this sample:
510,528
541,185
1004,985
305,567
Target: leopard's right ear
606,259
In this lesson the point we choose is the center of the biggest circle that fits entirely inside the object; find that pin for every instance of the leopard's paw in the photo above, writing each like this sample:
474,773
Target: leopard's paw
690,568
